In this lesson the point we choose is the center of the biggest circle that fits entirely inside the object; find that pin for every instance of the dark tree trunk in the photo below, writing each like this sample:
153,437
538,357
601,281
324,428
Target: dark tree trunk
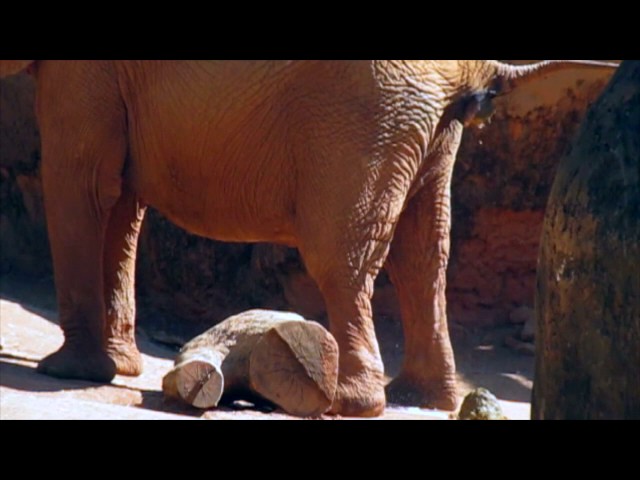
588,284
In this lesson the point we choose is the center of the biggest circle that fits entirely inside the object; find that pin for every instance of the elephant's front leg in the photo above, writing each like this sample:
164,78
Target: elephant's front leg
77,234
94,260
83,130
122,234
417,265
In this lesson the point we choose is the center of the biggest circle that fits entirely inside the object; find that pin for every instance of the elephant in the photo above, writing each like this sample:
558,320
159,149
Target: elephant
348,161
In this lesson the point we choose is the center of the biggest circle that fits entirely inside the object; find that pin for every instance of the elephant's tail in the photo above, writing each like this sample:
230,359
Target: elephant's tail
516,75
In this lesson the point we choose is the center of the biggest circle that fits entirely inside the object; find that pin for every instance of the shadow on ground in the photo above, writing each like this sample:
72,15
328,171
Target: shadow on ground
481,357
39,298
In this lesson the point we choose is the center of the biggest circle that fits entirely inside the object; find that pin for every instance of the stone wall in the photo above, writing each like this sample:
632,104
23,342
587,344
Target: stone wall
23,239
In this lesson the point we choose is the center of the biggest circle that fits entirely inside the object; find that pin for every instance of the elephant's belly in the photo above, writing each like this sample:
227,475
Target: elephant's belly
209,158
211,202
220,224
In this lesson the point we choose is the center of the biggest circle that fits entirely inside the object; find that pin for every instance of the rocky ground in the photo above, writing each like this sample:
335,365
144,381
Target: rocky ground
29,331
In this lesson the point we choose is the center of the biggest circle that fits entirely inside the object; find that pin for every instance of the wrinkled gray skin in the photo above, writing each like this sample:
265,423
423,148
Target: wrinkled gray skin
350,162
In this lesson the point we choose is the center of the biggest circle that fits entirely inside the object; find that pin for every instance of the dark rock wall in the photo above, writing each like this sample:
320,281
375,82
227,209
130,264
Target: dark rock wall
588,288
23,238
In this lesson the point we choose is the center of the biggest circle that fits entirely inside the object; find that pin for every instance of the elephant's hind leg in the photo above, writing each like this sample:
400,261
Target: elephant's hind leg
360,390
122,234
344,267
417,265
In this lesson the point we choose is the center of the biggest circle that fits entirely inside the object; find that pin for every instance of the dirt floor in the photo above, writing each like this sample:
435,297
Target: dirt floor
28,332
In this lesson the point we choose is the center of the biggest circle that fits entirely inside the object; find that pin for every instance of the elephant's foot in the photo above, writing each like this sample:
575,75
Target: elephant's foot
360,391
126,357
357,398
79,363
410,391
